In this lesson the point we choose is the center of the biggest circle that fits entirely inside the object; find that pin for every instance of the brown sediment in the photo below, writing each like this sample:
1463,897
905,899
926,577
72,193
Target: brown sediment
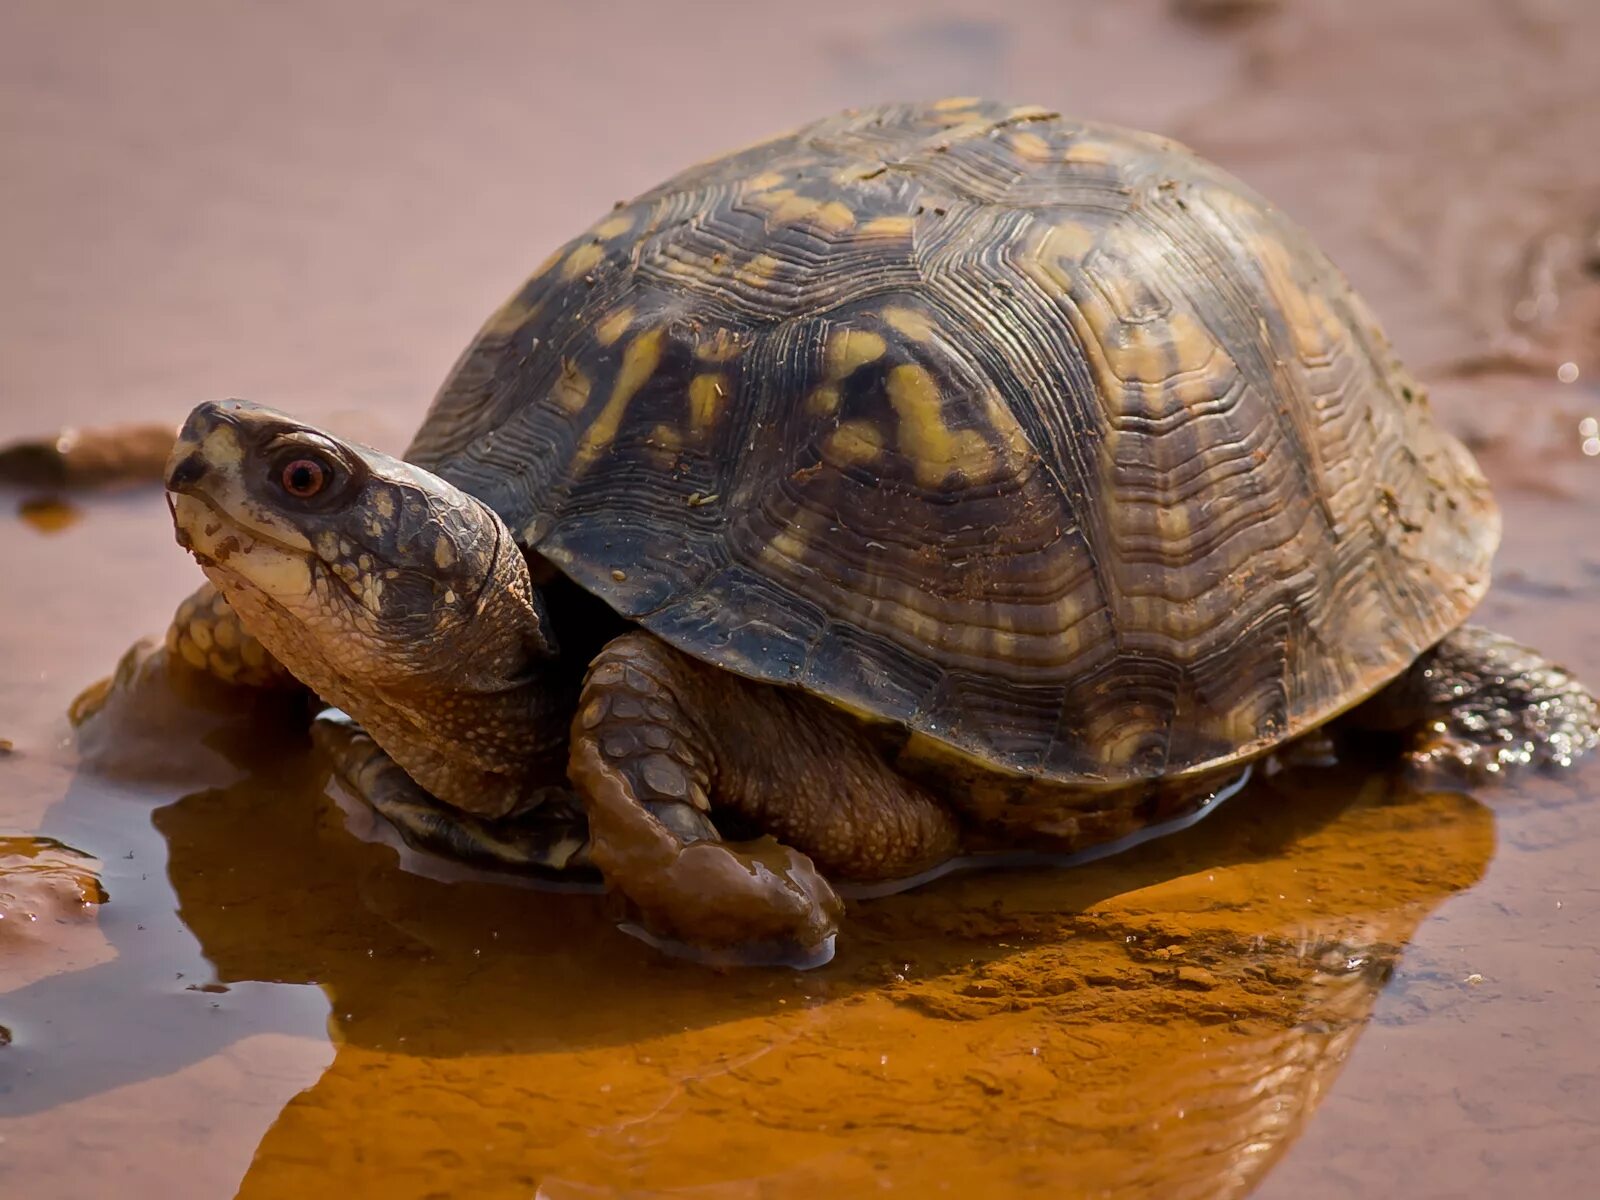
50,894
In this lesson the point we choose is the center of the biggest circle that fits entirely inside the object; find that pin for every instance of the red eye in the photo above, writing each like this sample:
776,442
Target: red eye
304,477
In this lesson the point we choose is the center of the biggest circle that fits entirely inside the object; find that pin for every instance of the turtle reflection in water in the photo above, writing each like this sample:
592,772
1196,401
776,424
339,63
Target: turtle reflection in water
1159,1025
930,479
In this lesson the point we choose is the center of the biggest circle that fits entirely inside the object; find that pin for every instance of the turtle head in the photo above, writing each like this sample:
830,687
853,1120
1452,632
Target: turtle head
363,574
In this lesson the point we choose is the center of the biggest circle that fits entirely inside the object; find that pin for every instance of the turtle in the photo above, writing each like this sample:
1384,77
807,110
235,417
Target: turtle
935,478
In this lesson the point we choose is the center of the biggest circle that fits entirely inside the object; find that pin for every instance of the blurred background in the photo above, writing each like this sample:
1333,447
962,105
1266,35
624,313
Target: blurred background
313,204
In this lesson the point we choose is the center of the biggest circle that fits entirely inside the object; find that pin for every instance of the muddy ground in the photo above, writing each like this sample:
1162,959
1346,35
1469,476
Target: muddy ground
1334,987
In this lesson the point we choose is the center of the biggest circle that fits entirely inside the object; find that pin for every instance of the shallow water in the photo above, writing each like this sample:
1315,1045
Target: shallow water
1333,986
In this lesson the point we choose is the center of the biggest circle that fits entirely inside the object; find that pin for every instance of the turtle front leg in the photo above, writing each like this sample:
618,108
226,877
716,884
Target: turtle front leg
208,659
662,742
207,635
549,836
1479,704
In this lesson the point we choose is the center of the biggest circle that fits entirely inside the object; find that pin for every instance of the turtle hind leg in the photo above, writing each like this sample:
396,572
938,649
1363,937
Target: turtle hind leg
549,838
1479,706
663,744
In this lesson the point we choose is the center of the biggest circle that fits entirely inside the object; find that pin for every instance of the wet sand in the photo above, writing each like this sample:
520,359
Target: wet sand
1333,987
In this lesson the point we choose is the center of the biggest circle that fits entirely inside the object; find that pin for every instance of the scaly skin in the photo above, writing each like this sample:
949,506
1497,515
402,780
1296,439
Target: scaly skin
207,635
1479,705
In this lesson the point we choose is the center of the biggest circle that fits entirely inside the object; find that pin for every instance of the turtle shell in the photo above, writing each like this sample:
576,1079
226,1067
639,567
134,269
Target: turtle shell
1046,440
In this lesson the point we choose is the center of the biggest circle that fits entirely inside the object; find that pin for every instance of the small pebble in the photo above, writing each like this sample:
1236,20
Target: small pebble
1197,977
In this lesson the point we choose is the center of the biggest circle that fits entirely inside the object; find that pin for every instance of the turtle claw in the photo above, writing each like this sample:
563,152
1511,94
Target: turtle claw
549,837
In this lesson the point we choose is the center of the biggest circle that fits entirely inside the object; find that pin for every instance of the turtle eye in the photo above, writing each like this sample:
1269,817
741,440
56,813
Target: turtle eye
303,477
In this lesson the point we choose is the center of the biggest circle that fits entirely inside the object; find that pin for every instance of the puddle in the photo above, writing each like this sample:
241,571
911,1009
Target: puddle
1331,986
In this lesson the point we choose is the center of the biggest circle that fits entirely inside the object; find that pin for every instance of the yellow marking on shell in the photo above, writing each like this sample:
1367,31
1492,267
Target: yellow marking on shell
796,208
852,348
773,199
888,227
853,443
1090,153
582,260
1069,241
1191,345
766,181
909,323
924,438
1136,353
722,346
383,501
951,102
613,327
1316,330
1173,524
823,402
1031,147
757,270
835,216
706,394
571,390
665,443
444,554
785,544
1031,112
613,227
639,362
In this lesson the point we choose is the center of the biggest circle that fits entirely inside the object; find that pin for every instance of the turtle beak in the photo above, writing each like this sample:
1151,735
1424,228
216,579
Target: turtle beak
209,438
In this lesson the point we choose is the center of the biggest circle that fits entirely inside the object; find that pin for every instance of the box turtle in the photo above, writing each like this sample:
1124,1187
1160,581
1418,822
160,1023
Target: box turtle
933,478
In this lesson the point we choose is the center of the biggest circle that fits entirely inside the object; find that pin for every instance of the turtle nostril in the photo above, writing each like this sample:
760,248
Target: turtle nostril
185,473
